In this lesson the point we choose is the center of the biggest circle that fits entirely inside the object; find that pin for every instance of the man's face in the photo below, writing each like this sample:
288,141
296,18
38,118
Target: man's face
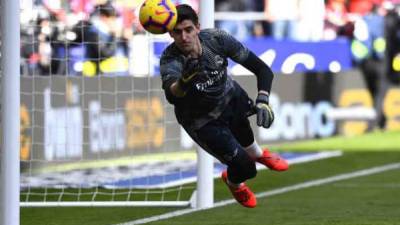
185,35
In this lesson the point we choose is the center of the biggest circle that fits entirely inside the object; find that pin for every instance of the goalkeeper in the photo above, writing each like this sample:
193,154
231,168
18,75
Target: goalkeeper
211,106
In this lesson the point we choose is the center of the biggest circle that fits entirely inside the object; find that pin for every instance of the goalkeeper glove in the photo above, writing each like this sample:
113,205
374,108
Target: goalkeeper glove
191,68
265,115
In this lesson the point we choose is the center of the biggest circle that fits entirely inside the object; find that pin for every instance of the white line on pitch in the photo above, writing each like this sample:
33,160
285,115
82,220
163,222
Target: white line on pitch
307,184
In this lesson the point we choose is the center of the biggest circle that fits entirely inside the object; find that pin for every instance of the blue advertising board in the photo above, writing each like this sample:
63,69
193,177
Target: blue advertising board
291,57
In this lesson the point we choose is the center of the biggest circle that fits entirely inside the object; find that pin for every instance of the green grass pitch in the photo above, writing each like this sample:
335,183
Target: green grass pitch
367,200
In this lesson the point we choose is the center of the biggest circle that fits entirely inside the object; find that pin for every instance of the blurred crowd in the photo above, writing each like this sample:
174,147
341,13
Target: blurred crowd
79,37
92,37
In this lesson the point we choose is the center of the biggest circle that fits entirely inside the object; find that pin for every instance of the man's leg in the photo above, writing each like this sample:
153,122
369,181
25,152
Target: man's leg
242,131
217,139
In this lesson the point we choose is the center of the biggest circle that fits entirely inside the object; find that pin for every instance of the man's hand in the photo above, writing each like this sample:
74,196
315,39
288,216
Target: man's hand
191,68
265,115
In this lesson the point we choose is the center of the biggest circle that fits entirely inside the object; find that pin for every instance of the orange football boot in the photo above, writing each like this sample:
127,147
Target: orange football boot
273,161
242,194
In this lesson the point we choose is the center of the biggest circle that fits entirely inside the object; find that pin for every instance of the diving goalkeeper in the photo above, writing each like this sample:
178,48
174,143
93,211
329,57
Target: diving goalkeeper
211,106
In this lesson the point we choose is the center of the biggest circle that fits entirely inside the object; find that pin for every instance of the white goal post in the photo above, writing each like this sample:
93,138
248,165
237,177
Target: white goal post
10,102
205,186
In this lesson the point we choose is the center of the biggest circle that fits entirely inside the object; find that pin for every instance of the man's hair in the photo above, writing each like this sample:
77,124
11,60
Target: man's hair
186,12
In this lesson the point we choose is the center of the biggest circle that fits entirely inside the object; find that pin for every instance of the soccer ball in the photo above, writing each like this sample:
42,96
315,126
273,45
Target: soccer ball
158,16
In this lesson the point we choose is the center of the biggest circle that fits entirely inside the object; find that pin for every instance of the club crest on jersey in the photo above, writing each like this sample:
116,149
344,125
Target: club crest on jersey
219,60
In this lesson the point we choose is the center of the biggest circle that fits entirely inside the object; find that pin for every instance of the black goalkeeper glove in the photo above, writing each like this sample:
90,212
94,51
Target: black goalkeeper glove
191,68
265,115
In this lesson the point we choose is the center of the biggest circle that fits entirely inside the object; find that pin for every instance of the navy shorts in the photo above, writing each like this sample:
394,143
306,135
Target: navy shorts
225,137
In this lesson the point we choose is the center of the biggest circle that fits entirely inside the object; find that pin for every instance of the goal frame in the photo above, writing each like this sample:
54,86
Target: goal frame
10,116
202,196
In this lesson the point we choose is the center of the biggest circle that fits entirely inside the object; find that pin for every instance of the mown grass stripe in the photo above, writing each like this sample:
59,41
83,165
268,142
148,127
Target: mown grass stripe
312,183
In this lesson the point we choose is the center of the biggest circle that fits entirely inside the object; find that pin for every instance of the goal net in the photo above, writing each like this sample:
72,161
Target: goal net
95,126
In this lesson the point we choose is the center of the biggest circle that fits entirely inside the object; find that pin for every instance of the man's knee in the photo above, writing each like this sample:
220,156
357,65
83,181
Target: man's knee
241,168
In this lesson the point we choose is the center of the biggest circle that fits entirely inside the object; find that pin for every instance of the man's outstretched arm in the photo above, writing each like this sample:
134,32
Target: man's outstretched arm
265,115
262,71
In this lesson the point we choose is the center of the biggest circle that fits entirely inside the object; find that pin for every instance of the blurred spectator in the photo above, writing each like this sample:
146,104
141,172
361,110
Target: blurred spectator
240,29
57,37
362,7
368,48
128,11
392,37
40,46
260,28
311,20
369,34
102,38
337,22
283,16
81,7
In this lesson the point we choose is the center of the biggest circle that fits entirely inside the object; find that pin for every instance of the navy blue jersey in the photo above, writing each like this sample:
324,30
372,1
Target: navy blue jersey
213,88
